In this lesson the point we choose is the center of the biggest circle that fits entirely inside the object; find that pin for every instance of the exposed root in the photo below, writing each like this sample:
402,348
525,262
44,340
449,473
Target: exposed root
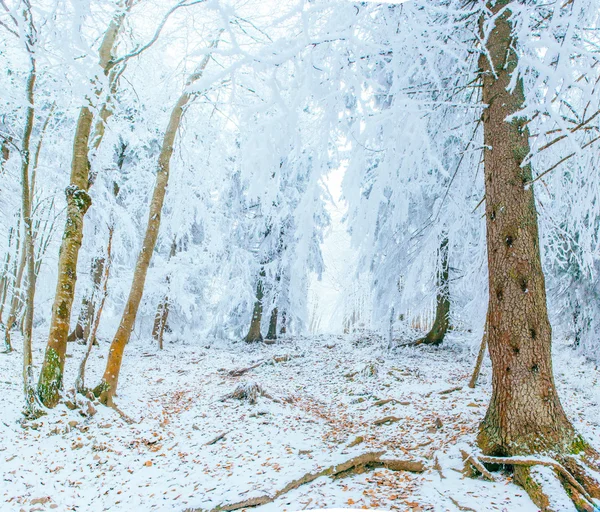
353,466
470,461
124,416
579,484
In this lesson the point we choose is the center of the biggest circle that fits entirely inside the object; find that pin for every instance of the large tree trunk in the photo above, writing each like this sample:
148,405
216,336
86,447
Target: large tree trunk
442,311
107,388
78,202
254,333
525,415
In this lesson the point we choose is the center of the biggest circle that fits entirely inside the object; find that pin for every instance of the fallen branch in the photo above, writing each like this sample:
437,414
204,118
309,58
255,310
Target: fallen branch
379,403
355,465
388,420
451,390
216,439
241,371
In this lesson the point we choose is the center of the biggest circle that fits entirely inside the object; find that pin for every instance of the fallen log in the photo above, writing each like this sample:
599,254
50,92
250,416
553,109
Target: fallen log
360,464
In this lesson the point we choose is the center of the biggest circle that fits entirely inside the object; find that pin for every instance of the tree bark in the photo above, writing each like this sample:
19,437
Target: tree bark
254,333
442,311
78,202
272,334
107,388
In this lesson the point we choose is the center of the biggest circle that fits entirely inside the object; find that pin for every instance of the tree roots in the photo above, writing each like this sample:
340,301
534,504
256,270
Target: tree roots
353,466
248,391
572,472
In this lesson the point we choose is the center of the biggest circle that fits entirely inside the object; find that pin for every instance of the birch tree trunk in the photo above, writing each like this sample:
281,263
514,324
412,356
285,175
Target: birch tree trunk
525,415
78,202
107,388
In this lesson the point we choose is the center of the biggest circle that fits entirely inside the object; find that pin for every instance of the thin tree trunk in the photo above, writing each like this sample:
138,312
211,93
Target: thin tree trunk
254,333
91,339
29,248
17,294
272,334
162,311
283,329
78,202
5,152
442,311
4,282
480,356
107,388
88,303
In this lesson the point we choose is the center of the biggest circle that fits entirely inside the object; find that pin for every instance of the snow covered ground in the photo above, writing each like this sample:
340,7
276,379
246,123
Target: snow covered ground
323,393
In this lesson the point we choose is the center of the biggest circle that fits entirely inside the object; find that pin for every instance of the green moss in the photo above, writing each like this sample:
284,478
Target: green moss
62,310
82,200
101,388
578,445
50,379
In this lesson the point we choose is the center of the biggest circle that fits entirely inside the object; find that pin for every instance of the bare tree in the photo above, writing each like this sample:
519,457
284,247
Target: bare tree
107,388
78,202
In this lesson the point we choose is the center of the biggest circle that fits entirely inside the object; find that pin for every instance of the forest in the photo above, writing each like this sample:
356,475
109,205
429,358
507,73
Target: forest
300,255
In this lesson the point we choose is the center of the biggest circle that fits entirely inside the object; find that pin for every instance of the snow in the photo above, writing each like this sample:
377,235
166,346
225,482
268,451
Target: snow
324,398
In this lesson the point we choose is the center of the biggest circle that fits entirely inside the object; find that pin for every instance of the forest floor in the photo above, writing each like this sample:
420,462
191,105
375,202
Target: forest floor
323,395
